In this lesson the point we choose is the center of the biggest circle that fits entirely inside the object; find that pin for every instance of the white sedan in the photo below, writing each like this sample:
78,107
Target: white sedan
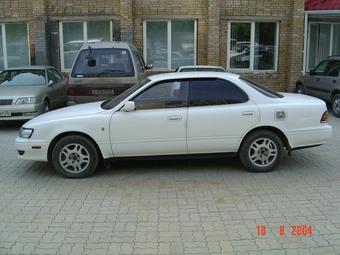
178,114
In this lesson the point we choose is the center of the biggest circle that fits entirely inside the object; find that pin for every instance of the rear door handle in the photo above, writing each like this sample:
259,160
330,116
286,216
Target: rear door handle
317,79
175,117
334,81
248,113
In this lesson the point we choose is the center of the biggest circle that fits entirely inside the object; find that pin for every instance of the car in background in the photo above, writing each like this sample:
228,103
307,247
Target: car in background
103,70
323,82
200,68
178,114
26,92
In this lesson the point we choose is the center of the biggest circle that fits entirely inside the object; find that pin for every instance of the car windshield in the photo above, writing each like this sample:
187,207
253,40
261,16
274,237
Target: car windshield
115,101
263,90
103,63
23,78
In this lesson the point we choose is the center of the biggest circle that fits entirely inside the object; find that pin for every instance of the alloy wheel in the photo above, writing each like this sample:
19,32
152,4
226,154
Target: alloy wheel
74,158
263,152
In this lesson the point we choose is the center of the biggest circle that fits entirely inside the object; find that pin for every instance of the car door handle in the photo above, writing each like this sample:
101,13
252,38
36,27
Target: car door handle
248,113
317,79
334,81
175,117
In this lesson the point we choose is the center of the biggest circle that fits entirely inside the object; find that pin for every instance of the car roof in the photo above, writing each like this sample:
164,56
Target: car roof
100,45
336,57
188,75
201,66
37,67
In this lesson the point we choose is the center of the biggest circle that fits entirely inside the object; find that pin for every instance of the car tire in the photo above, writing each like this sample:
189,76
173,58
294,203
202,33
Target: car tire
75,157
46,106
300,89
336,105
261,151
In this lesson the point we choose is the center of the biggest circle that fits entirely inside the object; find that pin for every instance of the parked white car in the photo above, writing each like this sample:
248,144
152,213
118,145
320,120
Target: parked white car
178,114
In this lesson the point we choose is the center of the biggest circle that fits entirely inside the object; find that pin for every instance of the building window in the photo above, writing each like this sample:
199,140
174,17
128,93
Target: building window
323,41
14,49
73,35
253,46
169,44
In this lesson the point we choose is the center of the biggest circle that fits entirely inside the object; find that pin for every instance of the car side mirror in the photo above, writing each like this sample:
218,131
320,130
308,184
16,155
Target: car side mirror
148,66
129,106
50,83
311,72
91,62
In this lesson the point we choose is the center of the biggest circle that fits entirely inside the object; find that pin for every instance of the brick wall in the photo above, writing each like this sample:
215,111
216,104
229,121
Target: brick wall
212,25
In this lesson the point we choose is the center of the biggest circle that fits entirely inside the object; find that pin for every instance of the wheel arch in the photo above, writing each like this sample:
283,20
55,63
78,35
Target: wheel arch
334,92
70,133
275,130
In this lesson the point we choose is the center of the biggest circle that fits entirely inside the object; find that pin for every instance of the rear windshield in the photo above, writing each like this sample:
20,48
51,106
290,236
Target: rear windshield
23,78
103,63
201,69
265,91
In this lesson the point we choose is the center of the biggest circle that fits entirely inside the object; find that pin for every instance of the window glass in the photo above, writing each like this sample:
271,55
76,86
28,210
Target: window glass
73,39
313,46
139,63
336,40
262,89
98,31
240,45
169,94
54,76
17,44
324,39
112,62
156,43
332,68
2,61
23,78
321,68
205,92
265,48
182,43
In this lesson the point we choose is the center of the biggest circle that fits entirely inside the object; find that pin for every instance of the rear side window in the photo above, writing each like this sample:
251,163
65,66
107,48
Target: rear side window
205,92
110,62
333,69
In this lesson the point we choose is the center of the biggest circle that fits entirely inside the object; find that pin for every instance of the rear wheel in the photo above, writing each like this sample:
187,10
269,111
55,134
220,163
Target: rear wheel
46,106
261,151
75,157
336,105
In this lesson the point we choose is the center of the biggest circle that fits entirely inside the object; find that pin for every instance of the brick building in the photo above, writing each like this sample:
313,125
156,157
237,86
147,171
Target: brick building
263,40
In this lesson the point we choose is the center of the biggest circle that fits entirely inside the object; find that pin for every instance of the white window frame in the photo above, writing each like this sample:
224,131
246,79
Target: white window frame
4,42
330,41
169,46
61,37
252,47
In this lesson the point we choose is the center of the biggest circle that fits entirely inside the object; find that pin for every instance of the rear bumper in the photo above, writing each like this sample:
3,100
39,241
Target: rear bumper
21,112
28,149
309,137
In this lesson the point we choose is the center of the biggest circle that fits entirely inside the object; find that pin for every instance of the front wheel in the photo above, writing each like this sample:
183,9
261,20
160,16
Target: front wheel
261,151
336,105
75,157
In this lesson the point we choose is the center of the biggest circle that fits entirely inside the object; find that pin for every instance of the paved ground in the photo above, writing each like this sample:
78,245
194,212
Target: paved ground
171,207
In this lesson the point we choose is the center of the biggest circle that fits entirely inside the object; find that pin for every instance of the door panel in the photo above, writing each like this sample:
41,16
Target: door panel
149,132
219,128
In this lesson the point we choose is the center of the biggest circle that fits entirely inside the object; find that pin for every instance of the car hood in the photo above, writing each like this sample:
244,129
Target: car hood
299,98
68,112
20,91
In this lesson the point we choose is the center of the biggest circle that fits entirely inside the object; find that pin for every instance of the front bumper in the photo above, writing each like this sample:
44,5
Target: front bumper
31,149
21,112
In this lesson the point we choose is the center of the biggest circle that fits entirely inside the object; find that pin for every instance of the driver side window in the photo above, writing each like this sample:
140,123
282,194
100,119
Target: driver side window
168,94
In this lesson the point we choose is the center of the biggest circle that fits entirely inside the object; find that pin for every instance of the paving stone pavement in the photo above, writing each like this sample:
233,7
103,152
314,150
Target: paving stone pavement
210,206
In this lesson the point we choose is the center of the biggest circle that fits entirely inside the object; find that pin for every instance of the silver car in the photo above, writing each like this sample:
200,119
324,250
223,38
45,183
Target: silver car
26,92
323,82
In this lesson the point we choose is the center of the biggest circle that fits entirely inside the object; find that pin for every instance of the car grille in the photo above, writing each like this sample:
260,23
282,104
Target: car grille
5,101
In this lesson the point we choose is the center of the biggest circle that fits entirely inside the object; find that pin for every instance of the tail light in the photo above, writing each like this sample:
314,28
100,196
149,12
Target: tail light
79,92
324,118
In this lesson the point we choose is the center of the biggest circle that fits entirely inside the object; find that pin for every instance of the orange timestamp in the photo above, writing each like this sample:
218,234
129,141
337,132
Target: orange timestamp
294,230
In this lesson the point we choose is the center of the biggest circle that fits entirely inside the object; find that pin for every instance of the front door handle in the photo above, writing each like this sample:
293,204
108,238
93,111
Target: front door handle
334,81
175,117
248,113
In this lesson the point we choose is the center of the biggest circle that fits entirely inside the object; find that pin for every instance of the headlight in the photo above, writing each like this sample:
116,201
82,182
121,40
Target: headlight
26,132
25,100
